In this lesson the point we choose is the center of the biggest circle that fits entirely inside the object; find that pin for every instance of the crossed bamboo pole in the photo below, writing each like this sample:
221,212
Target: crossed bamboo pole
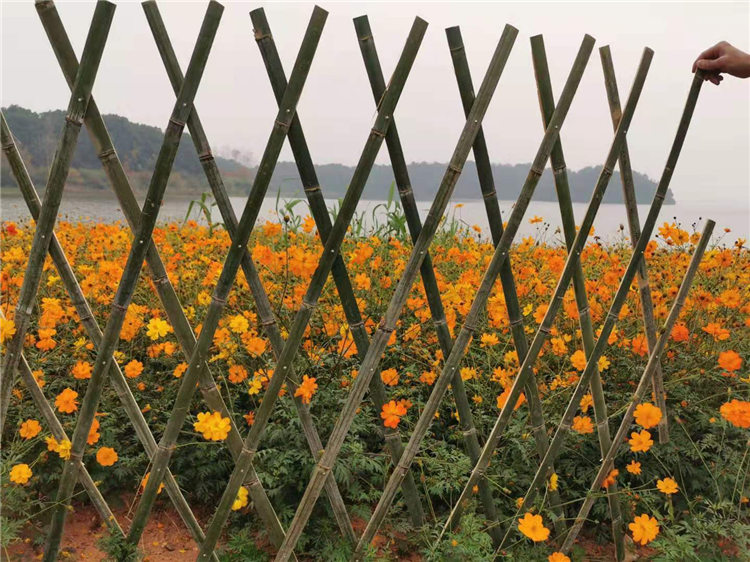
314,194
557,159
647,376
132,271
315,288
263,305
181,407
525,370
472,318
623,289
492,207
388,322
92,55
87,319
116,175
631,208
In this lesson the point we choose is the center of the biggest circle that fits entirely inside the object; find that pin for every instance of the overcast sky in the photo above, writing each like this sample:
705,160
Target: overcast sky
237,108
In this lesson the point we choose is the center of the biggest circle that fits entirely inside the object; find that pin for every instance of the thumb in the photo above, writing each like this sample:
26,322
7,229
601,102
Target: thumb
715,65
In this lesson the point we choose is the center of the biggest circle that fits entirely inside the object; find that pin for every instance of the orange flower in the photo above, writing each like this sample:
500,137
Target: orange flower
468,373
392,413
179,370
667,486
578,359
82,370
586,402
533,527
647,415
30,429
715,330
389,377
557,557
66,401
634,467
736,412
503,398
644,529
106,456
730,360
145,481
306,389
680,333
427,377
611,478
20,474
640,442
582,425
133,369
94,435
237,374
640,345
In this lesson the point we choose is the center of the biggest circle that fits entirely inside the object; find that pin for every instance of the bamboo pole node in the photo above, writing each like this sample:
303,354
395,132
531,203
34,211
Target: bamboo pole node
490,195
206,156
177,122
312,189
283,125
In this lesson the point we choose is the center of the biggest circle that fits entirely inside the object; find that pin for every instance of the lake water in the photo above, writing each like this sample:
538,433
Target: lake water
608,222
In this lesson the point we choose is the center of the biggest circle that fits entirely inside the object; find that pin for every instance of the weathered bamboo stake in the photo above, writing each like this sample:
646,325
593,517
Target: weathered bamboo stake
623,289
492,208
319,211
427,273
631,207
544,328
231,266
132,268
58,433
470,323
388,322
557,159
92,55
265,312
653,360
88,321
309,301
99,136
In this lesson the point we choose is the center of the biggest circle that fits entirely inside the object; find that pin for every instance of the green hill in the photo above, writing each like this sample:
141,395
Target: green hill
138,145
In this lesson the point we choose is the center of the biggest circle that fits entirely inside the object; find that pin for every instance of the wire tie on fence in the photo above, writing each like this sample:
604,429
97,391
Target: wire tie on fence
559,169
357,325
544,329
377,132
259,35
180,124
106,154
406,190
490,195
308,305
270,322
456,49
584,311
312,189
659,196
365,38
608,171
217,300
76,122
455,168
118,306
206,156
282,125
517,322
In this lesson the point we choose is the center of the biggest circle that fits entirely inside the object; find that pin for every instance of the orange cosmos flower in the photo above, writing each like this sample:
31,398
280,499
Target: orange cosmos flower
647,415
667,486
106,456
389,377
533,527
30,429
611,478
66,401
578,359
582,425
503,398
306,389
557,557
133,369
392,413
680,333
730,360
634,467
644,529
237,374
82,370
20,474
640,442
736,412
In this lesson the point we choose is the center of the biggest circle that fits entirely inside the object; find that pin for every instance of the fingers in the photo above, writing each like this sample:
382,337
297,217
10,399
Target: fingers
711,53
712,65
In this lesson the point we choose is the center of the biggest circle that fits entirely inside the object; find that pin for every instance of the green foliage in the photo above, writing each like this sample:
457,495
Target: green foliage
118,549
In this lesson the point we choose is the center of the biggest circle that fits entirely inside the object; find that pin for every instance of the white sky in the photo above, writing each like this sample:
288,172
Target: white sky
237,108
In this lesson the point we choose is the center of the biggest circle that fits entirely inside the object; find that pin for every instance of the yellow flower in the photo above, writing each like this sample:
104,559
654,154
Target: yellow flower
468,373
63,449
241,500
106,456
557,557
553,480
640,442
157,328
30,429
644,529
255,386
603,363
20,474
533,527
578,359
647,415
238,324
586,402
212,426
488,340
667,486
7,329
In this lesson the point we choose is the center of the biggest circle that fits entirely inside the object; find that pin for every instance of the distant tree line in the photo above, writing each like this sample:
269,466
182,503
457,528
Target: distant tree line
137,146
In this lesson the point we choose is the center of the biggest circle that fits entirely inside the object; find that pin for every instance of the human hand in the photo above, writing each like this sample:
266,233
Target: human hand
723,58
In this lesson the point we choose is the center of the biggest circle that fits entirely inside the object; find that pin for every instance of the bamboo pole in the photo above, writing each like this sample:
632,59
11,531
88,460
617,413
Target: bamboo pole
89,323
58,433
92,55
492,208
319,211
265,312
623,289
116,175
631,207
648,373
470,323
536,344
387,324
427,273
309,301
557,159
132,269
229,271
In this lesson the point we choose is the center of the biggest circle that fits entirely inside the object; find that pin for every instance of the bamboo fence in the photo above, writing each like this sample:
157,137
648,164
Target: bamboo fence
82,110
